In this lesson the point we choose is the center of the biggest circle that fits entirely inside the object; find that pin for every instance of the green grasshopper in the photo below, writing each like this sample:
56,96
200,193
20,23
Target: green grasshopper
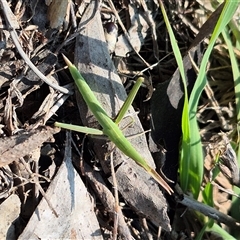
109,127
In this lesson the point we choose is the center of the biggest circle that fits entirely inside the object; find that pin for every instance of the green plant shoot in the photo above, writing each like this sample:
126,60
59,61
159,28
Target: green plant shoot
109,127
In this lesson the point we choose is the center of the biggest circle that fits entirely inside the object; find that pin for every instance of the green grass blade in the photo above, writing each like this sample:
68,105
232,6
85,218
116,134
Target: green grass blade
235,71
235,212
185,117
212,227
196,154
226,15
191,164
208,194
215,228
235,30
179,61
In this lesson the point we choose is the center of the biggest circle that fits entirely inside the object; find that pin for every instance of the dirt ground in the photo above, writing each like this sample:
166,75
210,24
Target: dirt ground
58,184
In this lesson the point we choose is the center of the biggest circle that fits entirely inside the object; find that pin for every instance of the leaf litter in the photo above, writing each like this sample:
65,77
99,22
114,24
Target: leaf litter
82,199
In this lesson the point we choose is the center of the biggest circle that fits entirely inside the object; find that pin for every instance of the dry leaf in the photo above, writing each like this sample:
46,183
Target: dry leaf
57,12
10,210
137,32
12,148
70,199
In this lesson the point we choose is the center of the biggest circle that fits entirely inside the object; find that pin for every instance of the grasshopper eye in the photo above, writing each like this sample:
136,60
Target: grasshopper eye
111,28
111,34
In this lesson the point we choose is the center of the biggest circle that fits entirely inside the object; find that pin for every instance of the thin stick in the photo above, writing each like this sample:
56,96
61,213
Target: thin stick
210,212
115,188
39,187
